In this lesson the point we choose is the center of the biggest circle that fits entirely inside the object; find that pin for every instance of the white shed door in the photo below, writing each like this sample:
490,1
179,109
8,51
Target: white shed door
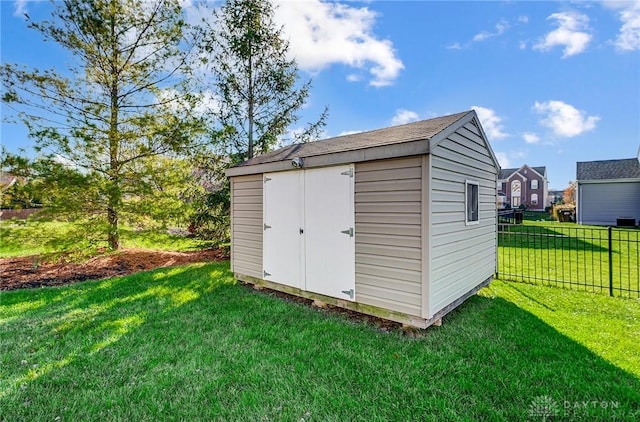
283,243
329,231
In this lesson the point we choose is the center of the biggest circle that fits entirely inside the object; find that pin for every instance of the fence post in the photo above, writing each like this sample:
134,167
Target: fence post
609,230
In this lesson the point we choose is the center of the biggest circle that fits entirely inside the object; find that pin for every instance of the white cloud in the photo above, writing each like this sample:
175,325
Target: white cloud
522,45
322,34
564,119
530,138
491,122
500,28
293,136
572,33
19,7
208,102
65,161
629,14
503,159
349,132
403,116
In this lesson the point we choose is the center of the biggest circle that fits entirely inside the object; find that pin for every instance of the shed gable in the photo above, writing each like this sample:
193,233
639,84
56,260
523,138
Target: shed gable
460,254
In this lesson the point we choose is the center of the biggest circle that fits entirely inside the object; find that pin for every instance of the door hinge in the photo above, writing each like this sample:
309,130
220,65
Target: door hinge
348,173
349,231
266,226
348,293
266,179
266,274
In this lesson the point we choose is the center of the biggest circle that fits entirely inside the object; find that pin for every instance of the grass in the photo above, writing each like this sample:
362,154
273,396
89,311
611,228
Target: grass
563,254
188,343
537,216
21,238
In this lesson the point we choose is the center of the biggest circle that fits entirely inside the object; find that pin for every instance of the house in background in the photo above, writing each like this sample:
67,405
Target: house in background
608,190
7,180
555,196
525,185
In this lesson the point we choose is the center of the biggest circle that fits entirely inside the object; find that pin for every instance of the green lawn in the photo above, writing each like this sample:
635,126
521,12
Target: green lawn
38,237
570,255
188,343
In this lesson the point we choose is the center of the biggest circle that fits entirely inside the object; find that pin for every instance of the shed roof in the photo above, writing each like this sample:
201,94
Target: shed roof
415,131
417,138
608,169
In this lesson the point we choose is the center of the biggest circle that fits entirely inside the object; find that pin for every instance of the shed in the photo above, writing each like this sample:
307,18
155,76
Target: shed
398,222
608,190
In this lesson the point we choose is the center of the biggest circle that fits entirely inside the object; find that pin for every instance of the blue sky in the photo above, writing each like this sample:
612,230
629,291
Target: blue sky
553,82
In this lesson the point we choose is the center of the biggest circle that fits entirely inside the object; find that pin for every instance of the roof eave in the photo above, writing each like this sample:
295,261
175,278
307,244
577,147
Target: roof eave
468,117
404,149
542,176
618,180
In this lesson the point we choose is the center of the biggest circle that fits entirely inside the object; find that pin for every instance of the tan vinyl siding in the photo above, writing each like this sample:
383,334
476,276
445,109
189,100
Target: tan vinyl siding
246,225
387,235
456,269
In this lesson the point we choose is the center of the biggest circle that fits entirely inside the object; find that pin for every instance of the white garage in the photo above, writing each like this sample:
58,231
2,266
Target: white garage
608,190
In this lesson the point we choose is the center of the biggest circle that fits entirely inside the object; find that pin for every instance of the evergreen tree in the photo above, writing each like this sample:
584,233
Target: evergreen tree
123,100
256,83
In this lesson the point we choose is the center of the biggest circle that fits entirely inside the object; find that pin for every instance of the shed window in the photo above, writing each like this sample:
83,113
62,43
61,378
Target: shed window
472,202
534,184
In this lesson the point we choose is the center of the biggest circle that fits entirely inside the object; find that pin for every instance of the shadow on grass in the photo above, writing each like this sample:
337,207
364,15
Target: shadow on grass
93,315
562,238
187,343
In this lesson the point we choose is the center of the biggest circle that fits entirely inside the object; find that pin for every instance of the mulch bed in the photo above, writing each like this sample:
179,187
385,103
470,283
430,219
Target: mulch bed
32,271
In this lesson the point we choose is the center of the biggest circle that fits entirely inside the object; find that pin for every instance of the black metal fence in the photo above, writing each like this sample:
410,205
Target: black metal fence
602,260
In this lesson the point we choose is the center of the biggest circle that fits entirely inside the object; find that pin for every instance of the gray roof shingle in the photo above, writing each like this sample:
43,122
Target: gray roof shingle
424,129
506,173
608,169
